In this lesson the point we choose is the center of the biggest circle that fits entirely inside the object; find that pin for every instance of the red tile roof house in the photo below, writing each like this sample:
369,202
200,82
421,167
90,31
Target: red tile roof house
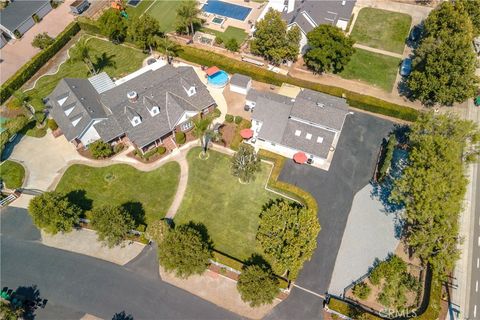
145,108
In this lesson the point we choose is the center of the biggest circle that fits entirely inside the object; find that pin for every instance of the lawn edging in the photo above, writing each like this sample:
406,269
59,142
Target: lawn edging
36,62
285,188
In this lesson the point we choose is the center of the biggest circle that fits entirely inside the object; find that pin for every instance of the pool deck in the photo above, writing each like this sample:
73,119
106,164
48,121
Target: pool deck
257,9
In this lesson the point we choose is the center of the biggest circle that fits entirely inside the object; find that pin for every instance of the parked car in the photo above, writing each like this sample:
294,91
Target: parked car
406,67
415,34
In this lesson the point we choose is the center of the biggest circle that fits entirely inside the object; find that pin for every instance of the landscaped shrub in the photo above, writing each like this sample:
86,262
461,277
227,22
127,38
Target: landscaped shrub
361,290
100,149
40,117
218,40
161,150
36,18
17,34
147,155
42,40
232,45
229,118
88,25
180,137
32,66
112,224
238,119
388,157
140,228
349,310
217,113
118,147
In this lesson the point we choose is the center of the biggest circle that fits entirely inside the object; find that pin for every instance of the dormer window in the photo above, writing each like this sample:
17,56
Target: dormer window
154,111
191,91
136,121
62,100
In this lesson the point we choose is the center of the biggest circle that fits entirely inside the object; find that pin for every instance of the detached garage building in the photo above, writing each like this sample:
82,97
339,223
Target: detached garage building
240,83
17,17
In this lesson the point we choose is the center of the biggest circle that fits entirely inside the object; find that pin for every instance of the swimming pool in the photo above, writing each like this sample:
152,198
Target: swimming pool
219,79
226,9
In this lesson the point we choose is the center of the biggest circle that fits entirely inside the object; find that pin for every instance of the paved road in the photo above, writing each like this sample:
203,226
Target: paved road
474,296
351,169
75,284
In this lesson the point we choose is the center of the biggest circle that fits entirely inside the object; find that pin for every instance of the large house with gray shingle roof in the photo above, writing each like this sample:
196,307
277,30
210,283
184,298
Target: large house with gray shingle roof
310,123
145,109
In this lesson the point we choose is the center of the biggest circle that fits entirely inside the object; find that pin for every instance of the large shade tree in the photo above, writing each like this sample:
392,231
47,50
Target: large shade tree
433,185
257,285
273,41
185,251
113,25
329,49
245,163
444,65
112,224
53,212
144,31
287,234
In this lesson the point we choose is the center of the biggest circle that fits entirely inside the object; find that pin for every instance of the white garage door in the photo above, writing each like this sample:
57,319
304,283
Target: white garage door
238,89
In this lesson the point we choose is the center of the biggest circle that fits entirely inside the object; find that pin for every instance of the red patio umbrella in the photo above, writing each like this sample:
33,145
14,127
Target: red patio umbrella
212,70
246,133
300,157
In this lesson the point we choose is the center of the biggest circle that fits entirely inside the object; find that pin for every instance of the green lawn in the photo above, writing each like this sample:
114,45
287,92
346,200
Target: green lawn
382,29
376,69
228,209
165,11
116,60
122,184
231,32
12,174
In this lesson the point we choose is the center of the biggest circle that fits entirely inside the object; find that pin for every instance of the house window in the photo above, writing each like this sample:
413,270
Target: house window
298,133
320,139
308,136
186,126
154,111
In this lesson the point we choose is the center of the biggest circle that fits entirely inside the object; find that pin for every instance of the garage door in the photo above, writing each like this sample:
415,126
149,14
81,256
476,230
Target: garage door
44,10
26,25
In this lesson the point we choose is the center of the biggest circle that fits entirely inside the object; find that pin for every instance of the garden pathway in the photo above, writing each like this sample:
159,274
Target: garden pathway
182,185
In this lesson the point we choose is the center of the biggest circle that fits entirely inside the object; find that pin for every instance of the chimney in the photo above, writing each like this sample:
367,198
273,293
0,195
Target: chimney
132,96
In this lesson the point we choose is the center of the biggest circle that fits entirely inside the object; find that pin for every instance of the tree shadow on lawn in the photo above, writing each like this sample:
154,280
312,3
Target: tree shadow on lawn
78,197
136,210
202,229
104,61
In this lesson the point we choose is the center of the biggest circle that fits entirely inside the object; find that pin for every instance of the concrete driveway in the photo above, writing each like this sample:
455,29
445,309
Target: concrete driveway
334,190
17,52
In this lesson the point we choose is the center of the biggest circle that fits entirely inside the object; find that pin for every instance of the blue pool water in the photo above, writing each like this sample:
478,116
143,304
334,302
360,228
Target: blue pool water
227,9
218,79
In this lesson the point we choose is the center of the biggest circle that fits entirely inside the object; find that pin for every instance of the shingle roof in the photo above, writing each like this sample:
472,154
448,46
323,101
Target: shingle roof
240,80
320,108
274,116
18,11
82,103
321,12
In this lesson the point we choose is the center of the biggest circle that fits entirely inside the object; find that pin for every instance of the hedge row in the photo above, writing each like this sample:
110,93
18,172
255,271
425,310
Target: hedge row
34,64
433,309
237,265
349,310
289,189
354,99
88,25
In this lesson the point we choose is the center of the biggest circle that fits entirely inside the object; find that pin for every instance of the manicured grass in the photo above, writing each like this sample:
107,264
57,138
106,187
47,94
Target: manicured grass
116,60
12,174
374,68
122,184
231,32
229,210
382,29
165,11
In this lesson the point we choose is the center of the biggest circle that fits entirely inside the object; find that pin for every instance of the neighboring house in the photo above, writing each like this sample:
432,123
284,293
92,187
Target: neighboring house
240,83
145,108
18,17
78,6
3,40
308,14
309,125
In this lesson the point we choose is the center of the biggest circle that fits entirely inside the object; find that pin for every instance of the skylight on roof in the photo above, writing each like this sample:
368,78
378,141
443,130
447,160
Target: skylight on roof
320,139
298,133
308,136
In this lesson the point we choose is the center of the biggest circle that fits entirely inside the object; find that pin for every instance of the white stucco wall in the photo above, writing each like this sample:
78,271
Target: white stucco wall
90,134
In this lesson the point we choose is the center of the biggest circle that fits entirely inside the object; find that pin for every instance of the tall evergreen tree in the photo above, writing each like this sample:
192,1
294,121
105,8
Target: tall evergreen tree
113,25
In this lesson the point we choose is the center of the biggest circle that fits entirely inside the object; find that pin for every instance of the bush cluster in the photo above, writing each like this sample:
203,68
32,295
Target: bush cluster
180,137
361,290
52,124
229,118
147,155
100,149
217,113
238,119
29,69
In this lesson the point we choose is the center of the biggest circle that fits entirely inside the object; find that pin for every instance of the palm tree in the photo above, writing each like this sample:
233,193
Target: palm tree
81,52
245,163
188,13
170,47
202,130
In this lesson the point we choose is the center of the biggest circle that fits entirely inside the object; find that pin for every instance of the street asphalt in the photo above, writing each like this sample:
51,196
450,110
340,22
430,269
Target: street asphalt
75,284
474,295
352,168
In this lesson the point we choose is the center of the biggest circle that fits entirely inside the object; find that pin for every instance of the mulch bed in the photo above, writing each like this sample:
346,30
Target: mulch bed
228,133
155,157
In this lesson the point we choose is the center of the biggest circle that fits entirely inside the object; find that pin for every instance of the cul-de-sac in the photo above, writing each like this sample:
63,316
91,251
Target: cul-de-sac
240,159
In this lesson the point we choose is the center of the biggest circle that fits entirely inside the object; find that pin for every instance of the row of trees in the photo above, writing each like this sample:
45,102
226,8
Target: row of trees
286,234
53,212
433,185
444,65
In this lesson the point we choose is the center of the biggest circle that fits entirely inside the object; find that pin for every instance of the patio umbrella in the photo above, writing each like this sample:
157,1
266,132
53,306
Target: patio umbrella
300,157
246,133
